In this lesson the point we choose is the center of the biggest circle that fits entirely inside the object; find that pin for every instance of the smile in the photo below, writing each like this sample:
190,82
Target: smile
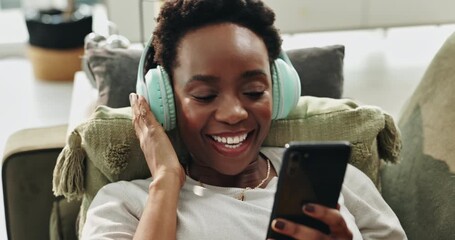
231,142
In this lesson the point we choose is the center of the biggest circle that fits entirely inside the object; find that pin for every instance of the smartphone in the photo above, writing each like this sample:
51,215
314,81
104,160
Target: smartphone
311,172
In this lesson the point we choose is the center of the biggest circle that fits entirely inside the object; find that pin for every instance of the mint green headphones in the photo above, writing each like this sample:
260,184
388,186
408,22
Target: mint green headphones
156,87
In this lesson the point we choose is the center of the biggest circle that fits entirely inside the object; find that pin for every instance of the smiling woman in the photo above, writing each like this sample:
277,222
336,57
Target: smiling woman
221,61
217,87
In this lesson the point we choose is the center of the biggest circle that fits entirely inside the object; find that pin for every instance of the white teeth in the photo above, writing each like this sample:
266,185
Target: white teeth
231,140
233,146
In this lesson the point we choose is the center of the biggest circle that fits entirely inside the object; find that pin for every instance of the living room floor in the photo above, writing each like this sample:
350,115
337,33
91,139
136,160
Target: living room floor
382,67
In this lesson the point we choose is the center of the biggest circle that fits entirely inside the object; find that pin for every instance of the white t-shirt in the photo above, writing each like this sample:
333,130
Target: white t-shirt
212,212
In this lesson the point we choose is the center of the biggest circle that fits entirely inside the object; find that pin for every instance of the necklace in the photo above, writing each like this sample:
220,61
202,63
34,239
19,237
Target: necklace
241,196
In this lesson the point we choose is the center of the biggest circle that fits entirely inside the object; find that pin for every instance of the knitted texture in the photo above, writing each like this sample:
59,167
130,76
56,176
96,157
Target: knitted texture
371,132
68,177
111,152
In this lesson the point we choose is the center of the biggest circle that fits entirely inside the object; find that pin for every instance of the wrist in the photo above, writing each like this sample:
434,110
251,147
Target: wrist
167,180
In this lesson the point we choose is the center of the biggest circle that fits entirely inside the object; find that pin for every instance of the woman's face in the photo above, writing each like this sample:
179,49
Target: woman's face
222,88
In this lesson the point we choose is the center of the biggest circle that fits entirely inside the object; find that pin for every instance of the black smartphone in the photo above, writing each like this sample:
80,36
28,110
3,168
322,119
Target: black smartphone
311,172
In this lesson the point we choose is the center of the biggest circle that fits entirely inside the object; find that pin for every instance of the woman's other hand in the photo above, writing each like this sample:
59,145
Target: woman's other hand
159,153
331,217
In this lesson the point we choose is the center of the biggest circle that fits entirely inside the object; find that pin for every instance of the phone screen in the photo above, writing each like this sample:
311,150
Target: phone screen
311,172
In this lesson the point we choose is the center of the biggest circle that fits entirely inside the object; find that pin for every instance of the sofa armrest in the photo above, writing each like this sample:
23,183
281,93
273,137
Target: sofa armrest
28,163
32,139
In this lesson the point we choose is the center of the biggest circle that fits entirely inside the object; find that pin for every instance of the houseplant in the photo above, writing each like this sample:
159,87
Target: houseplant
56,38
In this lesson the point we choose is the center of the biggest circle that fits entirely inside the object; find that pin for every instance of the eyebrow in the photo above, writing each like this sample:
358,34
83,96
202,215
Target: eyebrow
203,78
253,73
211,78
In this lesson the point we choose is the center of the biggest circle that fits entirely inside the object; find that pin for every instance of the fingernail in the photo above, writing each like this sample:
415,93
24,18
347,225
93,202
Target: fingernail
279,224
309,208
131,97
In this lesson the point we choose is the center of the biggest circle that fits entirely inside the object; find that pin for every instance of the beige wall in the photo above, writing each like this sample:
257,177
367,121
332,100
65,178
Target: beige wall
310,15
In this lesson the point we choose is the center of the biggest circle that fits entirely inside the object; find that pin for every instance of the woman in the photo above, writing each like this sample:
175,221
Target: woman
218,56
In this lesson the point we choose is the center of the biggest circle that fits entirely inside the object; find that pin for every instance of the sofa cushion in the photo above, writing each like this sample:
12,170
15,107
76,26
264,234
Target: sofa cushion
320,70
105,148
63,219
421,190
114,72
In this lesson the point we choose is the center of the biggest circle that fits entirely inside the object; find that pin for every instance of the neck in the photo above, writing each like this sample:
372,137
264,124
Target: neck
250,177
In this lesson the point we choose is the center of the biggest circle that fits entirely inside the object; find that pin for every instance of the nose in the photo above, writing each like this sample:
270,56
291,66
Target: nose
231,111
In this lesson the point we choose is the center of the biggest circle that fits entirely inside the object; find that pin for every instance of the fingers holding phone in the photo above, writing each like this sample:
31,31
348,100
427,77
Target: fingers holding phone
311,175
331,217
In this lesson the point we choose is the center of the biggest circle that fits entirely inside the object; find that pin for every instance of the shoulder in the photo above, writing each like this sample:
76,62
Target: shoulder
122,191
353,173
373,216
130,186
358,187
357,181
115,211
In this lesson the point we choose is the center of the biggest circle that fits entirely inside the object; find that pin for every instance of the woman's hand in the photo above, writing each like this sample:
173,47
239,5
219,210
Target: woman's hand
158,220
331,217
159,153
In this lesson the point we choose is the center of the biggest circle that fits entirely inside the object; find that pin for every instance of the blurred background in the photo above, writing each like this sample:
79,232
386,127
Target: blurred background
293,16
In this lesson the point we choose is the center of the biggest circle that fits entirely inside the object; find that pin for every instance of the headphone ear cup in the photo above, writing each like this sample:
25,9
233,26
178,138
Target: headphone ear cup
161,97
285,88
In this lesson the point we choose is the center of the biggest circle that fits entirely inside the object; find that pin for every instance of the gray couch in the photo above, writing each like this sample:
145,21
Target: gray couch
420,188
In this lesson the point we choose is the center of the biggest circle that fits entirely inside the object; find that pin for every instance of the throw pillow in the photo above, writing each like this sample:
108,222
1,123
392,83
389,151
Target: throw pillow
320,70
421,190
105,149
114,72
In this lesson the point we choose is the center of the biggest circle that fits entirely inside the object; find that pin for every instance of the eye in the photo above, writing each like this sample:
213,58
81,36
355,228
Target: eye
204,98
254,94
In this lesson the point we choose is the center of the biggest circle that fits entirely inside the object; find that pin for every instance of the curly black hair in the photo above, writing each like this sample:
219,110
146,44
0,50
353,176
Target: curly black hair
178,17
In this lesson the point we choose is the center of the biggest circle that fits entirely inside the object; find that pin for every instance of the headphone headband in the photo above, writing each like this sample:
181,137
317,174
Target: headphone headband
154,84
146,62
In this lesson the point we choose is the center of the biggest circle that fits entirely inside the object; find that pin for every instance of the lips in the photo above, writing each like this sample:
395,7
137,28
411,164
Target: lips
229,144
232,141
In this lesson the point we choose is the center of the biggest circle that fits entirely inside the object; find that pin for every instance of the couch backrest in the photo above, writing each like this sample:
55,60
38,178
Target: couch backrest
105,149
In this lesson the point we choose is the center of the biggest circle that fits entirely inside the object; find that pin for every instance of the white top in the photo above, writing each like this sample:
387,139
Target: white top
212,212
